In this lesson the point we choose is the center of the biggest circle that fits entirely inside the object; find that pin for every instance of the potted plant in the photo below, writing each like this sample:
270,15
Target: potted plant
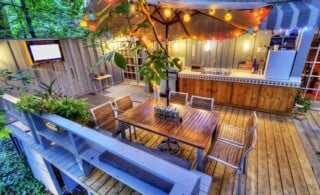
303,104
155,67
48,101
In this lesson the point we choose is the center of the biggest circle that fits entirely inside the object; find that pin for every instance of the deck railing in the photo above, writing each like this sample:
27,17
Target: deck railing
84,145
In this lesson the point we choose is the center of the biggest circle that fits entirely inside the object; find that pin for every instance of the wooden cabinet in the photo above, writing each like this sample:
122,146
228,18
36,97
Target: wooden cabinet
197,87
244,94
278,99
203,88
221,92
267,98
187,85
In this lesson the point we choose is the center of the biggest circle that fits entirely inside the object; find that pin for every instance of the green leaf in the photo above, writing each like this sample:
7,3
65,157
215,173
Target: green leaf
120,60
144,25
124,8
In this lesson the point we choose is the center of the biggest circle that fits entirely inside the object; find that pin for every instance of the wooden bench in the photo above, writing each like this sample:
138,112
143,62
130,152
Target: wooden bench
120,163
165,156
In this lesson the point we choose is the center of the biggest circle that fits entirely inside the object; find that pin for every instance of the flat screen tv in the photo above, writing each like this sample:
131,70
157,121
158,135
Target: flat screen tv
45,51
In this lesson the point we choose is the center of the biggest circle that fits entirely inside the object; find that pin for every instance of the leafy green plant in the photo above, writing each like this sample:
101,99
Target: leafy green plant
47,91
6,76
70,108
153,69
303,103
49,101
15,175
29,103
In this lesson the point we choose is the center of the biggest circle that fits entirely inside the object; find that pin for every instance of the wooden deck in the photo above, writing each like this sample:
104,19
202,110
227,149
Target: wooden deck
309,131
278,165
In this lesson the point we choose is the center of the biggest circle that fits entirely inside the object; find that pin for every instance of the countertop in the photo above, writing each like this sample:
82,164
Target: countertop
241,76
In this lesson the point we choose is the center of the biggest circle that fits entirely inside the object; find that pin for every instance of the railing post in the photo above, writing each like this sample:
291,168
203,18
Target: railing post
79,145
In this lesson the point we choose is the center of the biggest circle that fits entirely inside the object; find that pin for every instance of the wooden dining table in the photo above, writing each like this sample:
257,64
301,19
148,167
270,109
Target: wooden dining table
196,128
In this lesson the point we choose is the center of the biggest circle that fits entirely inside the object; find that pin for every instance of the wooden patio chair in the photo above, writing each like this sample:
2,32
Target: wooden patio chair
104,119
232,155
237,135
202,102
178,97
123,104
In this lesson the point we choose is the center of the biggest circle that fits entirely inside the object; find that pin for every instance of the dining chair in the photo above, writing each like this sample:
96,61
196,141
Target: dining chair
104,119
235,134
180,98
123,104
232,155
169,145
202,102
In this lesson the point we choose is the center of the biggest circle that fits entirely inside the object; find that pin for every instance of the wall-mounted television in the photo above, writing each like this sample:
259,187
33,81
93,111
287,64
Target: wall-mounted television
45,51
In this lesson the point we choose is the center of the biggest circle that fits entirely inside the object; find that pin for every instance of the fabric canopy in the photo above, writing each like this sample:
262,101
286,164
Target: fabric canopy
202,24
289,15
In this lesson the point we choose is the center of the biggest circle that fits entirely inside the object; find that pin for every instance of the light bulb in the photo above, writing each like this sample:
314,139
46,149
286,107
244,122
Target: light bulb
167,12
246,45
207,46
186,17
212,12
228,16
83,23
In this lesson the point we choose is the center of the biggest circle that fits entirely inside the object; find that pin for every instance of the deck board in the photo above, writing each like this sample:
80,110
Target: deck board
284,161
279,164
263,181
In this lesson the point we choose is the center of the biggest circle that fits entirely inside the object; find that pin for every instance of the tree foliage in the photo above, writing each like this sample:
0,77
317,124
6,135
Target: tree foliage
49,19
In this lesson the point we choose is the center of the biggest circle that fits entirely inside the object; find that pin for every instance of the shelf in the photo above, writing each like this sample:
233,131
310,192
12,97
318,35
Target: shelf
59,138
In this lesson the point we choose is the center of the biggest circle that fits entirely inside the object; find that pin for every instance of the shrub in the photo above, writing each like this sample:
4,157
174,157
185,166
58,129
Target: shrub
15,175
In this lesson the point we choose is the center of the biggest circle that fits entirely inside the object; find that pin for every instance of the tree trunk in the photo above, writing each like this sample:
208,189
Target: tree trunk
28,19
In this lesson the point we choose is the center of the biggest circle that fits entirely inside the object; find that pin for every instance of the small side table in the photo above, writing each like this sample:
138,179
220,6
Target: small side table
100,87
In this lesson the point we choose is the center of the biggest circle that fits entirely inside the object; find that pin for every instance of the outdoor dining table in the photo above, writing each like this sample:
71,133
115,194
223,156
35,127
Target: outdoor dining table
195,129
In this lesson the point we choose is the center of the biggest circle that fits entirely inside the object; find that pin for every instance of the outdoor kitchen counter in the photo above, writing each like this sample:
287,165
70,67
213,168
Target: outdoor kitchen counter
242,89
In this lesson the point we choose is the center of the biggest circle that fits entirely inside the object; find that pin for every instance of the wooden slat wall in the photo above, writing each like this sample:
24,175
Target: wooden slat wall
222,54
72,75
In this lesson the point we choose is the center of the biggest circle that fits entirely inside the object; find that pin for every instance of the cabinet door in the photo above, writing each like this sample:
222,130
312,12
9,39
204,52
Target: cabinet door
221,92
187,85
203,88
279,99
244,94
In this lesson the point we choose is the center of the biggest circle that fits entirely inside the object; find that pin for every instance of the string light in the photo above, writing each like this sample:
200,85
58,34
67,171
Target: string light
91,16
212,12
228,16
186,17
92,27
167,12
83,23
132,8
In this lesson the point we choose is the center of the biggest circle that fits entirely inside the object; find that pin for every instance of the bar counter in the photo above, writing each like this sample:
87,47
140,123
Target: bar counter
242,89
